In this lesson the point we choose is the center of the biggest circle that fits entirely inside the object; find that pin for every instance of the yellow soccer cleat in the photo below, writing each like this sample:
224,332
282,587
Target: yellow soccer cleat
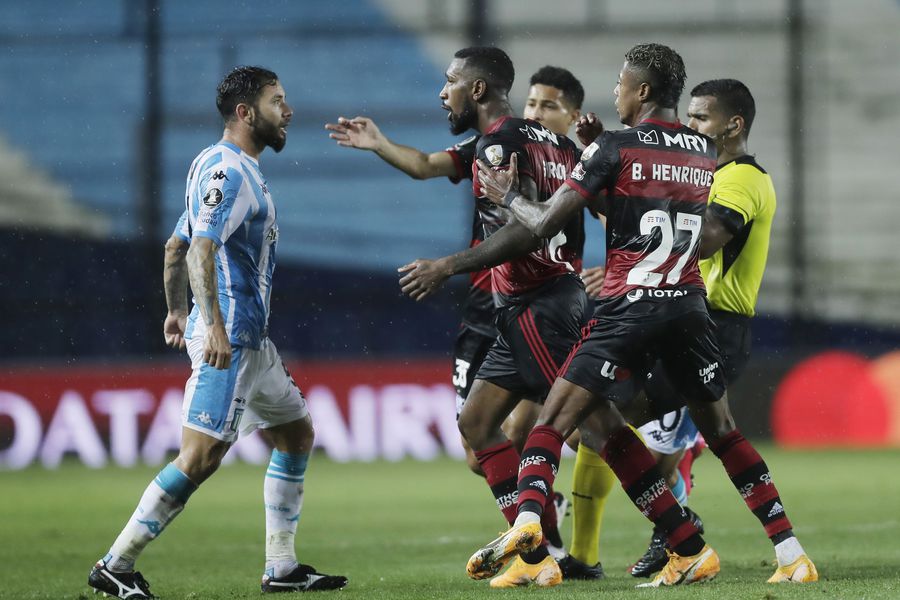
801,570
682,570
488,561
520,574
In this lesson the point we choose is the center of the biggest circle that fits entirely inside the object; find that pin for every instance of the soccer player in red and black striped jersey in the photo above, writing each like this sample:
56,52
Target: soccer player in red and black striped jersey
541,302
652,181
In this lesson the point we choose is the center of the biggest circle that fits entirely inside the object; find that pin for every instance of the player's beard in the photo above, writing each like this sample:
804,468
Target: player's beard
467,119
269,134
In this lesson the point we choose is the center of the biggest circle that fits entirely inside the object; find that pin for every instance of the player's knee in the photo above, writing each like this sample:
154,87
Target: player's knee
200,463
473,463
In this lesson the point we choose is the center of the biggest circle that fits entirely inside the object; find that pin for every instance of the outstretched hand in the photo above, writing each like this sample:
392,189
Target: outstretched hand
495,185
423,278
358,132
588,128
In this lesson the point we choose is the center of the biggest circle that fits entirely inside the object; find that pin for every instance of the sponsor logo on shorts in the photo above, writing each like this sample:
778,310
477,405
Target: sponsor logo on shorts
708,373
614,372
204,418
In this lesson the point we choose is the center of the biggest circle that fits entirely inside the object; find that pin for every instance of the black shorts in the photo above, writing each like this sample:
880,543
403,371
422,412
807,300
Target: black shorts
732,332
621,346
468,353
536,334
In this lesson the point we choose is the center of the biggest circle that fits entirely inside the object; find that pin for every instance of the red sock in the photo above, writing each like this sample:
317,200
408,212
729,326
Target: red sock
637,471
540,462
500,464
750,475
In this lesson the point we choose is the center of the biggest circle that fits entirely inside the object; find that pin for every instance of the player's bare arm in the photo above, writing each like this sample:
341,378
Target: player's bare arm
201,263
714,235
544,219
364,134
175,283
424,277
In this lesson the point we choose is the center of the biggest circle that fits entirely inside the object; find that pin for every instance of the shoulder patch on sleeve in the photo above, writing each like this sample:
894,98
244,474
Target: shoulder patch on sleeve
494,154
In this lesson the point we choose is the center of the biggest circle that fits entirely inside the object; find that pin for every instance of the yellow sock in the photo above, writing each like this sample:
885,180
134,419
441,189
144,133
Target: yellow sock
591,485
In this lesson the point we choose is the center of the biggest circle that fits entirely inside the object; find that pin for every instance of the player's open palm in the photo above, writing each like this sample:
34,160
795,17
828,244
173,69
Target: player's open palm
173,330
358,132
495,185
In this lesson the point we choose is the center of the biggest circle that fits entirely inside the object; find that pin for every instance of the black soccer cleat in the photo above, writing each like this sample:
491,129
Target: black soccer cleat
655,558
127,586
303,578
572,568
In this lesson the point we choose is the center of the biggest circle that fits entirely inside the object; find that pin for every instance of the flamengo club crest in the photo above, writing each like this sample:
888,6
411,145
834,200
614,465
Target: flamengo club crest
494,154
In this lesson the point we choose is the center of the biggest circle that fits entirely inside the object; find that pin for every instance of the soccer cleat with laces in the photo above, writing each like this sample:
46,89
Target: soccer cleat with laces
303,578
128,586
655,558
801,570
488,560
521,574
682,570
572,568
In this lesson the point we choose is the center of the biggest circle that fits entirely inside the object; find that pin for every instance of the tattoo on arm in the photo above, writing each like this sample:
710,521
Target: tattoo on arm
511,241
175,275
201,263
546,219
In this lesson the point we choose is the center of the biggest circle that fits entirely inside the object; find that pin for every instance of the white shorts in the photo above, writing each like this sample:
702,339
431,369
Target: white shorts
255,392
674,432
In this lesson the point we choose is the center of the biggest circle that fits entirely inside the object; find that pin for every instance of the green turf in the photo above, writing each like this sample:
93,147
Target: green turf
405,530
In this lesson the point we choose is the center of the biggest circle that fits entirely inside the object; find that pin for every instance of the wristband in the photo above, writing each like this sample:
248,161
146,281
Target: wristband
509,198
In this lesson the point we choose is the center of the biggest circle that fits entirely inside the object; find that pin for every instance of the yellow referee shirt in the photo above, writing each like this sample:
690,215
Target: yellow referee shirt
743,197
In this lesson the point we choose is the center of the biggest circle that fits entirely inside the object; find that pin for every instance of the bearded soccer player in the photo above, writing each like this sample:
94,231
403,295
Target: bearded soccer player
554,100
541,302
657,176
224,246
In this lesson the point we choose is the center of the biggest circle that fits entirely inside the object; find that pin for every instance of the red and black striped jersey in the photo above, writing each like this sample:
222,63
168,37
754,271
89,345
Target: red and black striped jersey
478,306
546,158
656,176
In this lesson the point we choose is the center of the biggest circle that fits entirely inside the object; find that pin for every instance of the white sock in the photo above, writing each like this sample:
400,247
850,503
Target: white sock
163,499
527,516
283,496
788,551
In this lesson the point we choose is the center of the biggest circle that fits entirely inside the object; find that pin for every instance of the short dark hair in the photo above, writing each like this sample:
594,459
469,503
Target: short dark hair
733,97
242,85
663,69
561,79
492,65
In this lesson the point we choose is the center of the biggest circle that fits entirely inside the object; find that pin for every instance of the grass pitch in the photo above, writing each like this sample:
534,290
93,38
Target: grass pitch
405,530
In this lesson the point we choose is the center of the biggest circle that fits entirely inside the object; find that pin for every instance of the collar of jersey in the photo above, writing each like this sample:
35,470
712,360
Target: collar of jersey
240,152
496,124
670,124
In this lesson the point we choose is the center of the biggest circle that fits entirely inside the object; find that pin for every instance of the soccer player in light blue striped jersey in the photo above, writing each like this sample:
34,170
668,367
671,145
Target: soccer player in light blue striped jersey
224,246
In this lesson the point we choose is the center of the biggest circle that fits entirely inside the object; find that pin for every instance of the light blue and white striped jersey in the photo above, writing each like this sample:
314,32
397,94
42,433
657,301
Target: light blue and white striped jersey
226,200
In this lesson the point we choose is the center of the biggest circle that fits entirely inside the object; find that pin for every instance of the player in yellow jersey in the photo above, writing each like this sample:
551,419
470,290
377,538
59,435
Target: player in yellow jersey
734,248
